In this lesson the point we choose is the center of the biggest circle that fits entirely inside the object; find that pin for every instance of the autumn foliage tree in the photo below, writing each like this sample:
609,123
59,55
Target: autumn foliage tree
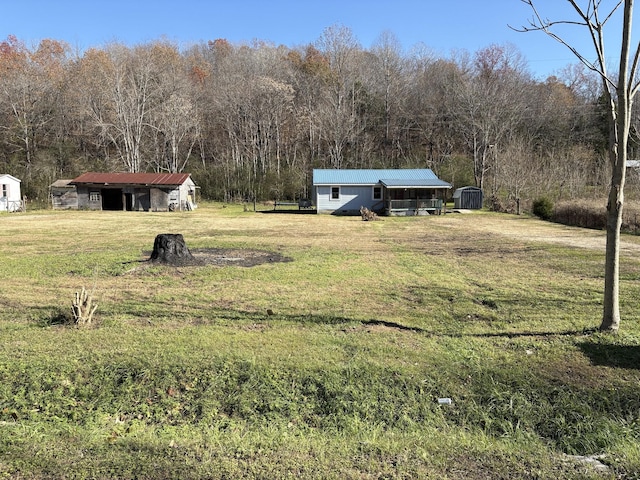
31,83
251,121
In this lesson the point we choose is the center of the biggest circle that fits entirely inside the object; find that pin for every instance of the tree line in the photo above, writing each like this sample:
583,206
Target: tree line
252,121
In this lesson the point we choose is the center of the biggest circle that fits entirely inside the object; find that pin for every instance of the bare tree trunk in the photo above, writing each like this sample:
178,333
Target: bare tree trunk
618,140
619,92
611,311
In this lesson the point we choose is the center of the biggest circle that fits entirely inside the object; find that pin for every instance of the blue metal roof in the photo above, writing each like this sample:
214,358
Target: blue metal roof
415,183
392,178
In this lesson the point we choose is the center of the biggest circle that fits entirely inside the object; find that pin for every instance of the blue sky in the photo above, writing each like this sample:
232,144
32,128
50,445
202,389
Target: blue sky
441,25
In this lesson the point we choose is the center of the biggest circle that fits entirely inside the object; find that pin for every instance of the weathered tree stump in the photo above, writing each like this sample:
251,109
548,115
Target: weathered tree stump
171,249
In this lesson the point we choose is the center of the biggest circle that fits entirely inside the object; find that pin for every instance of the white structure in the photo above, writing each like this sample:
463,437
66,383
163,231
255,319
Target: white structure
10,198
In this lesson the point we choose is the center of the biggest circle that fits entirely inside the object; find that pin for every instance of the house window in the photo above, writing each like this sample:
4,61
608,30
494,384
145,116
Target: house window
377,193
94,196
5,190
335,193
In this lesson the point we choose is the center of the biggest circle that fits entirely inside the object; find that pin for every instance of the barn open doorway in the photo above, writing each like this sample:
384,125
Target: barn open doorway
112,199
128,202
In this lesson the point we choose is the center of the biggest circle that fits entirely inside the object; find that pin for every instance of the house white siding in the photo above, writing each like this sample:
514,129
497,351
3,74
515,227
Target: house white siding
349,201
392,191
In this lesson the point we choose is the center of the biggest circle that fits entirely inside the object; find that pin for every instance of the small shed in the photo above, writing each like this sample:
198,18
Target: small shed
468,198
10,197
63,195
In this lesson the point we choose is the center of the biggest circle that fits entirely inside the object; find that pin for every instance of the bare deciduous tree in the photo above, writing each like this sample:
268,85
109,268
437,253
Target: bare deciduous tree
387,81
29,89
427,109
489,104
126,94
619,90
174,118
337,114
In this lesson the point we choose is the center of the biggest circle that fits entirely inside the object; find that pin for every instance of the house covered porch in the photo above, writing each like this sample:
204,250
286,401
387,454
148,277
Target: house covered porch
413,198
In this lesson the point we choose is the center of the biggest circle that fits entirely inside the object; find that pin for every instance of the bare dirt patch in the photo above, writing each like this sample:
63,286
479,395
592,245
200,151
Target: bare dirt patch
528,229
237,256
217,257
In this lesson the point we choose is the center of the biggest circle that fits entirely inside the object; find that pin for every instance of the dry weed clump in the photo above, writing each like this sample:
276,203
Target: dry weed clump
503,205
581,213
83,308
367,215
631,218
593,214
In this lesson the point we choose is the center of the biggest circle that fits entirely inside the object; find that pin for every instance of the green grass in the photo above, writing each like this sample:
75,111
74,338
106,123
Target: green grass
185,375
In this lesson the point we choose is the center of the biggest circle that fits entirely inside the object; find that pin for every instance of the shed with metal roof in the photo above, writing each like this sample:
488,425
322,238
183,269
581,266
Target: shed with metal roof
468,198
385,191
135,191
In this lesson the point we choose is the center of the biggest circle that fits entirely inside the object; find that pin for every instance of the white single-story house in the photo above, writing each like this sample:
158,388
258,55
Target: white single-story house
10,197
385,191
155,192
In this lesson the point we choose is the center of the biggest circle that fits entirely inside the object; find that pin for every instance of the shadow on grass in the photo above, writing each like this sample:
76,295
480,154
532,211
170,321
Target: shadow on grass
398,326
291,211
52,316
608,355
233,315
563,333
622,356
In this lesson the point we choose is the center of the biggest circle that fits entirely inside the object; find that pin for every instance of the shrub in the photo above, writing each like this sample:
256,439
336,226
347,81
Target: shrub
543,208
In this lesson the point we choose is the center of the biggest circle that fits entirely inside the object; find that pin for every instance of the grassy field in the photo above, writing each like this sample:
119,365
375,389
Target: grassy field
328,365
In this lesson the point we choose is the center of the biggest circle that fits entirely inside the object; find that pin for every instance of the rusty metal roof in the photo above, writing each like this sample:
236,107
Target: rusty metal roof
132,178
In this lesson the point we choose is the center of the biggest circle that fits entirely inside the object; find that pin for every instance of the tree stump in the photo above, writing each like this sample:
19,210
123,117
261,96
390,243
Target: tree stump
171,249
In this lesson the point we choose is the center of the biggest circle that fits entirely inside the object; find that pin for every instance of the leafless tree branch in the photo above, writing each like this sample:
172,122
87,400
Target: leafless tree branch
590,20
635,84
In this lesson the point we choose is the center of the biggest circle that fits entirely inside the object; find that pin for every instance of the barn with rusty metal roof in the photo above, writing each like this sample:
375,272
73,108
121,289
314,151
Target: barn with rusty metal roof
156,192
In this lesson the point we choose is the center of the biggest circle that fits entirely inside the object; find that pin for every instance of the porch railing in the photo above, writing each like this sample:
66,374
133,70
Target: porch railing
416,204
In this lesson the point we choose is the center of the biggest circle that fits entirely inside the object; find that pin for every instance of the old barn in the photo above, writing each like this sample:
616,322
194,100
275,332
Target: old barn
156,192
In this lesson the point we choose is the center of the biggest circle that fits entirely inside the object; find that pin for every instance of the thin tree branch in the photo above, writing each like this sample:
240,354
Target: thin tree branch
591,20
